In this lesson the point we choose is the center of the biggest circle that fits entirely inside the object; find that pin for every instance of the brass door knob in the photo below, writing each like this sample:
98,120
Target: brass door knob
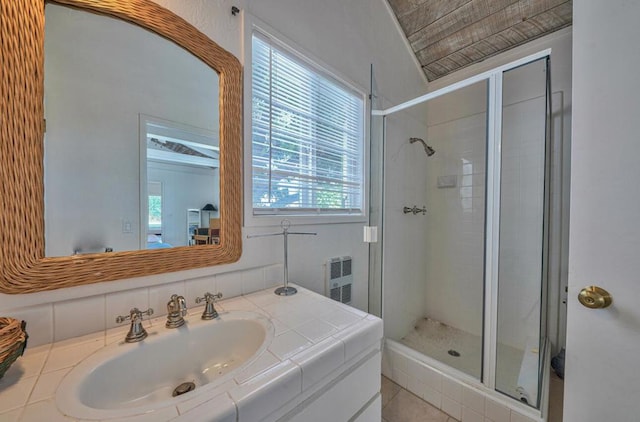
595,297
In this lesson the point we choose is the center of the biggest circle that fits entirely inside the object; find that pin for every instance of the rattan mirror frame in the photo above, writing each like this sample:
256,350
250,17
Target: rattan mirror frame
23,266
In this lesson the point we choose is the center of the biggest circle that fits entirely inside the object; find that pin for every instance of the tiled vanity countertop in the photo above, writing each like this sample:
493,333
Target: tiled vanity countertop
314,336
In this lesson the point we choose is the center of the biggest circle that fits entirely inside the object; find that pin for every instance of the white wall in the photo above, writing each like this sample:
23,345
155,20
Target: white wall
347,36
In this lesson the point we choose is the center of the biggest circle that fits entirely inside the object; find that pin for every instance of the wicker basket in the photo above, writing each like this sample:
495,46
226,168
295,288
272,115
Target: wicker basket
13,341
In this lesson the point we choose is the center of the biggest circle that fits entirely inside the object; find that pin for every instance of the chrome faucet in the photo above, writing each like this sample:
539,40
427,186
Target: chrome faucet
176,310
209,299
136,331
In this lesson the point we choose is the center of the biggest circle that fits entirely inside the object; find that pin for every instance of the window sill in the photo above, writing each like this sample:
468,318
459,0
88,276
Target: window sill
265,220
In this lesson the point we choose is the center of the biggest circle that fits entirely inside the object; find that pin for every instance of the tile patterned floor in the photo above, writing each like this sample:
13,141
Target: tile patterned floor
399,405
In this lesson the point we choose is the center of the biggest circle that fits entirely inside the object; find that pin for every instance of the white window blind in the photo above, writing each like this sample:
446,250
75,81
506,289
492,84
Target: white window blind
307,137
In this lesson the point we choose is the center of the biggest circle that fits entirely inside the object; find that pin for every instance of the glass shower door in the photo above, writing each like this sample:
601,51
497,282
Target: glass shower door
522,265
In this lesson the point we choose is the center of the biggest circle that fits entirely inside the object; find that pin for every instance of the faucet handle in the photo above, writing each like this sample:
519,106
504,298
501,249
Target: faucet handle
135,314
209,310
136,331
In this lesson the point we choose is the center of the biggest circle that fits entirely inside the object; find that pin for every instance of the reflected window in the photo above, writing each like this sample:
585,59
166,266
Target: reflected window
155,207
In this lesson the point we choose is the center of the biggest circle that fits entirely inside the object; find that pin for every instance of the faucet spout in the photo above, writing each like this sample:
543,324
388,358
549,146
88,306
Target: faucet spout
176,311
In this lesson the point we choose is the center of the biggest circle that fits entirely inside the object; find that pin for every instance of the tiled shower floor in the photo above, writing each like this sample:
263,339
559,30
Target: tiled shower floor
435,339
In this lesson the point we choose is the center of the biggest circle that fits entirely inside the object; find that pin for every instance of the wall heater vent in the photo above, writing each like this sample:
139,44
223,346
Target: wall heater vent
339,279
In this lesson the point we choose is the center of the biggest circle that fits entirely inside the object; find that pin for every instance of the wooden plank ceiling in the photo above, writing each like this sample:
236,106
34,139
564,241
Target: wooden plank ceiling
447,35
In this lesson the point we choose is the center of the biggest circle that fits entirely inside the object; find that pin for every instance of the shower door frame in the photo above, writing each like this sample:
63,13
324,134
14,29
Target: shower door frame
494,77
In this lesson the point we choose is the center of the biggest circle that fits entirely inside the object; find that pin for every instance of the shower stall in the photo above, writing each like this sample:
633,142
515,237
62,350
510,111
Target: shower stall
462,287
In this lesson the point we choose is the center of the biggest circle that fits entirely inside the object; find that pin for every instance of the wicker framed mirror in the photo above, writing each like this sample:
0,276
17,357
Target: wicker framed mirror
23,265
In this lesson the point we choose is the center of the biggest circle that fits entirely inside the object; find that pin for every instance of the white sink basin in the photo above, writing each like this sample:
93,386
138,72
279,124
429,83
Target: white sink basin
127,379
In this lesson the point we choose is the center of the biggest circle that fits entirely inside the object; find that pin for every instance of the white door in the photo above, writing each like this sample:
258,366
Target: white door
602,380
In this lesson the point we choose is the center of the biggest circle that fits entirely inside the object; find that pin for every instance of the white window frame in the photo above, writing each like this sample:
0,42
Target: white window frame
252,25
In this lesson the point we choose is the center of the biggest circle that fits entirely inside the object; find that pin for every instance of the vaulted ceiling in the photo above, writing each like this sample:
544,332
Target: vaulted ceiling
447,35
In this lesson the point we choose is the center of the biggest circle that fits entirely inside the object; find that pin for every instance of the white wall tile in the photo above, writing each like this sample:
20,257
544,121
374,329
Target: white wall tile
414,385
159,296
265,361
78,317
451,407
39,323
277,385
121,303
252,280
473,400
220,408
274,275
400,378
432,396
197,288
229,284
357,338
469,415
386,363
430,377
319,361
452,389
518,417
496,411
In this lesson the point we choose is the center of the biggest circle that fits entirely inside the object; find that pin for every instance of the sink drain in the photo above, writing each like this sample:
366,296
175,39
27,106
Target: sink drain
454,353
185,387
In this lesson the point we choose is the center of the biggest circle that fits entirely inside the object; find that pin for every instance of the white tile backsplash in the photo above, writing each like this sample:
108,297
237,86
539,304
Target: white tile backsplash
159,297
252,280
39,322
229,284
121,303
71,318
198,287
274,275
74,318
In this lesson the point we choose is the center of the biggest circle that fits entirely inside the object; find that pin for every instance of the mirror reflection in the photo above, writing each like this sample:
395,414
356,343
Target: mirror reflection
131,142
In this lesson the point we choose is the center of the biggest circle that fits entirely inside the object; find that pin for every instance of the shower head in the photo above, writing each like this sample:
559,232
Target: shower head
430,151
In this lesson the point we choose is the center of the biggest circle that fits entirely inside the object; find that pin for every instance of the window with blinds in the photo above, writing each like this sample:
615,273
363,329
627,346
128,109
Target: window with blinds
307,137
